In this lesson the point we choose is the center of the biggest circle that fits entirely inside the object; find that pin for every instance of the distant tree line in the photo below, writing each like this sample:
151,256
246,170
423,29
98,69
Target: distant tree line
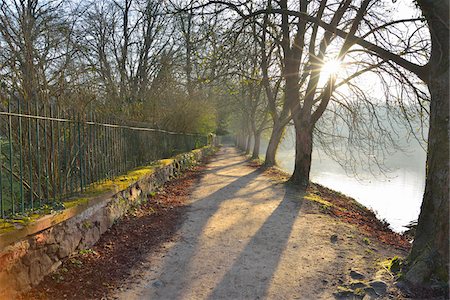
132,59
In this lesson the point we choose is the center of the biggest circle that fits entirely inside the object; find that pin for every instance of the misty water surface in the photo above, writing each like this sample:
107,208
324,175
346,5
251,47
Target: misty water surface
396,196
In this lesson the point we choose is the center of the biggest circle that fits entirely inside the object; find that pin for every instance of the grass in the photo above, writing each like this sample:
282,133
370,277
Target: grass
393,266
318,199
8,225
121,182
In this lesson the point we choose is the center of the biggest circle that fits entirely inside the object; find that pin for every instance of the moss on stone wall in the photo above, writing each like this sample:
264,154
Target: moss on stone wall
116,184
50,238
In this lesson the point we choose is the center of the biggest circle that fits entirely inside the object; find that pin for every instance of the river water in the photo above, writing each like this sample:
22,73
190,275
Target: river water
395,196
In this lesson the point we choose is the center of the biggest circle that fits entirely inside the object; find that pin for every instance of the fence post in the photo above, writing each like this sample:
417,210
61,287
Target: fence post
89,148
38,153
84,148
47,161
11,185
72,167
80,154
30,165
96,157
22,204
65,157
53,159
59,161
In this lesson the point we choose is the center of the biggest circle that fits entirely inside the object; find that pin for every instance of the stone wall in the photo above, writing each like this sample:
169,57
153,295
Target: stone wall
25,262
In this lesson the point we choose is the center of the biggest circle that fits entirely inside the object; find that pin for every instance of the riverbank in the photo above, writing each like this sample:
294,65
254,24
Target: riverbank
345,209
395,193
348,210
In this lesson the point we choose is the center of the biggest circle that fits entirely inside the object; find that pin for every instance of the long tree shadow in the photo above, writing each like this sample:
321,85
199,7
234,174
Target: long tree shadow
247,273
251,274
204,209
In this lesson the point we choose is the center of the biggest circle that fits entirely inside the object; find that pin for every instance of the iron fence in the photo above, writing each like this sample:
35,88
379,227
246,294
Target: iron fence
47,155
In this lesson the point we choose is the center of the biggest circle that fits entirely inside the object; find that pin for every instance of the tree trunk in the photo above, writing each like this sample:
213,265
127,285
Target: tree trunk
274,142
256,145
429,256
248,145
241,142
303,152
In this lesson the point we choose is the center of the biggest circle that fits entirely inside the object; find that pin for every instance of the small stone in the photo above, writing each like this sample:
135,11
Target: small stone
356,275
158,283
324,281
379,286
334,238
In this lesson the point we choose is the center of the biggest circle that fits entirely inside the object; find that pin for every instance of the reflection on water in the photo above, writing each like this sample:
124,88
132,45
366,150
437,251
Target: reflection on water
396,197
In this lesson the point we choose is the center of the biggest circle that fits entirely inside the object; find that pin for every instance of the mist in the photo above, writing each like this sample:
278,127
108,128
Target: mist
395,194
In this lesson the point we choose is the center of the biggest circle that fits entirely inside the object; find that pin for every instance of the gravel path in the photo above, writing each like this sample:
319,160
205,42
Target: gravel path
245,236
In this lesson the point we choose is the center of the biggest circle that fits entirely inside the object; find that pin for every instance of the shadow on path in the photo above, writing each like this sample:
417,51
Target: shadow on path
251,273
204,209
261,215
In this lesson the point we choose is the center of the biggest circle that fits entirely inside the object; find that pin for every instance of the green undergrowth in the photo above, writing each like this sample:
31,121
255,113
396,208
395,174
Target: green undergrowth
8,225
75,202
324,205
393,266
318,189
318,199
258,160
121,182
18,221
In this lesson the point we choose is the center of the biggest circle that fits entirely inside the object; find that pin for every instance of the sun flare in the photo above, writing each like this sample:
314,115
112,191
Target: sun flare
331,67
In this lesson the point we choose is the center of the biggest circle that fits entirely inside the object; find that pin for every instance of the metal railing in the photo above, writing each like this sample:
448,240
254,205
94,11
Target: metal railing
47,155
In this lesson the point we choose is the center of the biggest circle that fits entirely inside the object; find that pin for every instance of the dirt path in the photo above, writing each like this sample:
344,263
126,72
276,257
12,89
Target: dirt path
247,237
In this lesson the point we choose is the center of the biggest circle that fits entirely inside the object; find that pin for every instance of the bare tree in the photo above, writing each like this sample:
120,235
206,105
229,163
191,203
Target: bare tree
122,42
280,117
429,257
37,47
